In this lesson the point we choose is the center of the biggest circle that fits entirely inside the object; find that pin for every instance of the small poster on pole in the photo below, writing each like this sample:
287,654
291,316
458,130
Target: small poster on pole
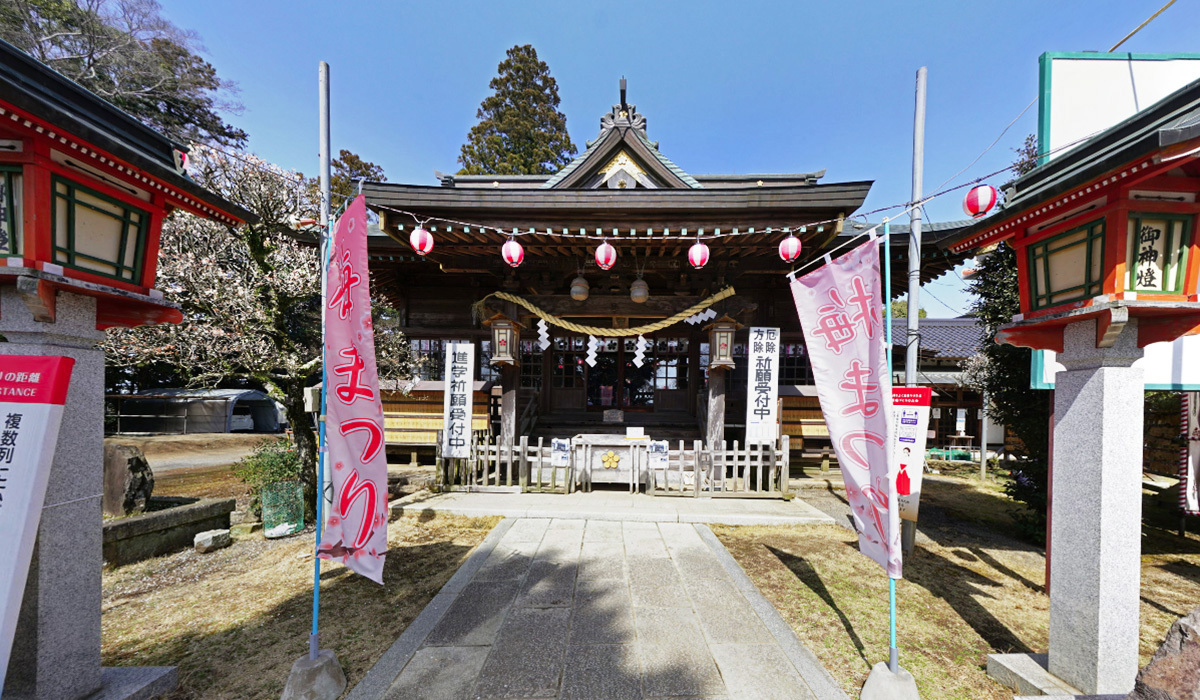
762,392
910,423
458,400
560,452
33,391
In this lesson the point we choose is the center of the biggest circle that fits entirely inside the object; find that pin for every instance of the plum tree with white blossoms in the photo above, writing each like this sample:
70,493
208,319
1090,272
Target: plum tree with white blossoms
250,297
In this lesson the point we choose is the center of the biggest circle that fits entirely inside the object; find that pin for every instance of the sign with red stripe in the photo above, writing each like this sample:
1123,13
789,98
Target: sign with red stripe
33,391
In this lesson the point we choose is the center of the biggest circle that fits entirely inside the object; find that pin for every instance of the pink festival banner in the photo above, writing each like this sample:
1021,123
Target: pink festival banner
356,531
841,315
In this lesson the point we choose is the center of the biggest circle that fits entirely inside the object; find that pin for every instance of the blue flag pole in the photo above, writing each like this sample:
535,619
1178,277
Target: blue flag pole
894,653
326,245
312,639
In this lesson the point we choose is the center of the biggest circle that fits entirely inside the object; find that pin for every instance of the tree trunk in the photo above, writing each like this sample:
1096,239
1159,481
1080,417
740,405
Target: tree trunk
305,439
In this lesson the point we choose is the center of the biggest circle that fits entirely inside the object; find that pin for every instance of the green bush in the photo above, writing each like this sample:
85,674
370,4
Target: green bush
271,462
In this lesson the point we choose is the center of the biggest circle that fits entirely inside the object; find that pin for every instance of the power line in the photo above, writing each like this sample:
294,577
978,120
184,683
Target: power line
1139,27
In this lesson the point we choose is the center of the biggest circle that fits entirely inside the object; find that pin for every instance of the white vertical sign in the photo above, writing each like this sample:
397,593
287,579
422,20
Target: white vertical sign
762,391
32,393
458,399
910,425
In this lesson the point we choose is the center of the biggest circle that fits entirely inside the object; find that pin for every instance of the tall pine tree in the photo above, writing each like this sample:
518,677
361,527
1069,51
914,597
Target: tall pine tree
520,130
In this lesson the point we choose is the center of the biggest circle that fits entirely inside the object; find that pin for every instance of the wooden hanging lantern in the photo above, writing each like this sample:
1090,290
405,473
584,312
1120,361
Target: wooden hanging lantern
720,342
506,340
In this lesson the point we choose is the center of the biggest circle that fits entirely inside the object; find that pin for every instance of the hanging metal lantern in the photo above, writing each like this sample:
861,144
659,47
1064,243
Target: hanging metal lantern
580,289
606,255
513,253
421,241
789,248
506,340
720,343
698,255
979,200
639,291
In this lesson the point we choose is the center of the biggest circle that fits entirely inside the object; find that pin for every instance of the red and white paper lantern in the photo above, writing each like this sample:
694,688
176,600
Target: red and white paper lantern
513,253
606,255
421,240
789,248
698,255
979,201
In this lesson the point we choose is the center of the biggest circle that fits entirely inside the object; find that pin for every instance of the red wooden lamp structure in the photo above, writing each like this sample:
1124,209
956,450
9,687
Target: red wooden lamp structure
1106,231
84,189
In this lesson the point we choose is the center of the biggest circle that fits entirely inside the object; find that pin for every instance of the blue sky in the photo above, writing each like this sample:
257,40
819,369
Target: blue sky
727,87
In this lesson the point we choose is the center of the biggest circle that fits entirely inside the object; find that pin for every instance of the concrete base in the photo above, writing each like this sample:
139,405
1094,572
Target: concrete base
882,684
315,679
1026,674
135,683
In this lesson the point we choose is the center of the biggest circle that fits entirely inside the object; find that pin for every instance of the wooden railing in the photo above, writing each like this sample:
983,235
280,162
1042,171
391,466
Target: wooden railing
749,471
529,415
496,467
695,470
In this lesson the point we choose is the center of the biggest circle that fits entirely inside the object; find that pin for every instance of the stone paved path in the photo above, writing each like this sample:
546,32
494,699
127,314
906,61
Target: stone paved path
598,610
617,505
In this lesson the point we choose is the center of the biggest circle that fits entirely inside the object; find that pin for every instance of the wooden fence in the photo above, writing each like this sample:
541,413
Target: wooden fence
748,471
496,467
695,470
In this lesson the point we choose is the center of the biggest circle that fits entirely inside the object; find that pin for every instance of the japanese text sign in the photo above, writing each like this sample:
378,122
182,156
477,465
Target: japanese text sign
458,400
910,416
33,391
762,390
356,531
840,311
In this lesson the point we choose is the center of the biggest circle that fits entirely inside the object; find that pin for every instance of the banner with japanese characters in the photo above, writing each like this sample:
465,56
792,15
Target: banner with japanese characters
841,314
1189,464
458,396
356,531
762,391
910,425
33,391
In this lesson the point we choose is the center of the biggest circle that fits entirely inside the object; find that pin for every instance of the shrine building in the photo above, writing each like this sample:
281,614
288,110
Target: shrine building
624,190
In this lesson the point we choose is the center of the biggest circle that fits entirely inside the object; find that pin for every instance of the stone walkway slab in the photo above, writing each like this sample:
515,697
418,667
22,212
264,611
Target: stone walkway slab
606,506
597,610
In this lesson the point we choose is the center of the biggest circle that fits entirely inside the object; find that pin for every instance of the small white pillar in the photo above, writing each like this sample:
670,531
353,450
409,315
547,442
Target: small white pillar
1095,545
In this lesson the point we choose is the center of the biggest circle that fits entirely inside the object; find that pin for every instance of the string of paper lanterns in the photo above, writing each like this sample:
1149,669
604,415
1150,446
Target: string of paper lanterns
977,203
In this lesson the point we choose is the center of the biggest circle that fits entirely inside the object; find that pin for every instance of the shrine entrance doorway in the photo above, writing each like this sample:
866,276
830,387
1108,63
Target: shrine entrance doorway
616,381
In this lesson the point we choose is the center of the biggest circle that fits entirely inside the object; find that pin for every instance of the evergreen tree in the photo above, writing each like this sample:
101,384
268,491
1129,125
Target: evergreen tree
520,130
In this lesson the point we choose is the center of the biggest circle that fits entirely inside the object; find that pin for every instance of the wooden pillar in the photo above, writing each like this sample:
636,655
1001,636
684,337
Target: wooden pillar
510,384
716,407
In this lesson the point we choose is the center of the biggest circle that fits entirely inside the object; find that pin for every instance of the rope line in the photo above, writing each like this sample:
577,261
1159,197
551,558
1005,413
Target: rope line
610,332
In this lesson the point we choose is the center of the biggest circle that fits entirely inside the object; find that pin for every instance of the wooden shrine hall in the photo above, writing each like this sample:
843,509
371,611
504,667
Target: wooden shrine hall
622,189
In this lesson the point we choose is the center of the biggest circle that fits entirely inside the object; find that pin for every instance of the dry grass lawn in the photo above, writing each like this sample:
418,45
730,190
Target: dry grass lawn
969,590
235,620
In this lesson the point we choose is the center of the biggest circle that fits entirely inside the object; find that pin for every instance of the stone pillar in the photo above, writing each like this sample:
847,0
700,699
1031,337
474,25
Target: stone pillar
1095,561
716,408
56,653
